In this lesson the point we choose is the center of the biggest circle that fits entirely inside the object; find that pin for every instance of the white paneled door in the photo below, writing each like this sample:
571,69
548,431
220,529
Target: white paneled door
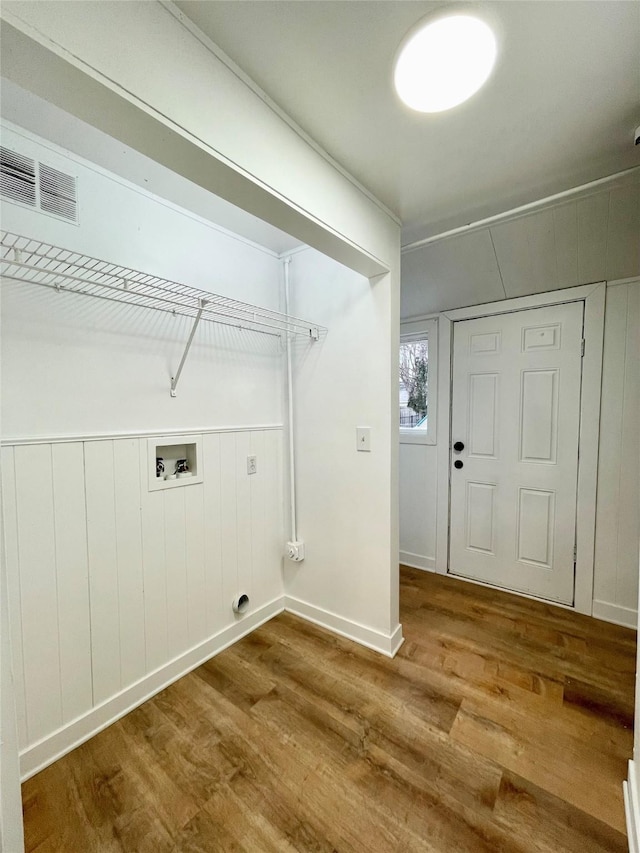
514,458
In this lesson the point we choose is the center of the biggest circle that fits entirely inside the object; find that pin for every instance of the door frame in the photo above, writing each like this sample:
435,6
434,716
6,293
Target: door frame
593,296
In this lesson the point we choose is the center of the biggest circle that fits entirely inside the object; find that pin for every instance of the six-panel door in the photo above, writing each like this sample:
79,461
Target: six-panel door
516,409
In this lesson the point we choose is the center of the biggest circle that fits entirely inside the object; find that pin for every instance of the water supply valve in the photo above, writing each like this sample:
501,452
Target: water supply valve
295,551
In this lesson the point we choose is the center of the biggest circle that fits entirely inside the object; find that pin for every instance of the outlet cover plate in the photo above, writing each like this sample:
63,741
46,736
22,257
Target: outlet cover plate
363,439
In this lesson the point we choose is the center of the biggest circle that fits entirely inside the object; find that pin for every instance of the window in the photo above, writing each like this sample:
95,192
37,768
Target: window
417,382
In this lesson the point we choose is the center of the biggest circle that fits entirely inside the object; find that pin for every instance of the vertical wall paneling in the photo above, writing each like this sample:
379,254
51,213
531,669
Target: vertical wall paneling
13,587
268,534
175,544
154,568
103,569
526,253
565,224
623,246
196,604
111,584
629,497
592,216
229,525
38,588
418,498
243,515
258,498
542,249
512,251
617,514
72,571
272,478
126,466
613,381
213,592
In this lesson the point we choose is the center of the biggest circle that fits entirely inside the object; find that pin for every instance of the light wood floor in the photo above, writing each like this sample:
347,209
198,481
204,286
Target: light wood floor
502,725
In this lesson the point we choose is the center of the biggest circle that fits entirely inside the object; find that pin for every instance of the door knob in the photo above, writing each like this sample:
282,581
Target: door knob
458,463
458,446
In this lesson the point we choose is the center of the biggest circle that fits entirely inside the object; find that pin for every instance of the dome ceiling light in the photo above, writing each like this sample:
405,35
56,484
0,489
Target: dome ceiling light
444,61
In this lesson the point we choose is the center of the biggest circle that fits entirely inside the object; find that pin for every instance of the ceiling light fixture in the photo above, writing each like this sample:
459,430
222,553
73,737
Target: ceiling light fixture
444,62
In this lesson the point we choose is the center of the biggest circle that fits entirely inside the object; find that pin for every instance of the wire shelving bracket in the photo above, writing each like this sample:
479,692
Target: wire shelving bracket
35,262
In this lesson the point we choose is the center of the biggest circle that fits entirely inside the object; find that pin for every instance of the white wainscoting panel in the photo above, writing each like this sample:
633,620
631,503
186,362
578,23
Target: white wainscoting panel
418,561
618,508
10,513
72,572
111,585
127,488
38,589
632,808
418,475
103,569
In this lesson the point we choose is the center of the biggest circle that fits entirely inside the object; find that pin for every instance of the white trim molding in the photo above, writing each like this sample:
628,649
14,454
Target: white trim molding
386,644
115,436
632,808
417,561
627,176
54,746
616,613
593,296
217,51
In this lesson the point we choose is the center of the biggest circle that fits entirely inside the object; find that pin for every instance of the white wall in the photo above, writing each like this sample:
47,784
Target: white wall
618,510
343,495
418,502
11,831
618,498
131,587
133,71
94,367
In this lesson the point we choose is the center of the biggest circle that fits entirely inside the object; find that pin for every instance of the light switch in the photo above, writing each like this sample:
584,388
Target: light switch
363,439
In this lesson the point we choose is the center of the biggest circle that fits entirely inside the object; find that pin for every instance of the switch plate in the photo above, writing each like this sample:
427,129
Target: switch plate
363,439
252,464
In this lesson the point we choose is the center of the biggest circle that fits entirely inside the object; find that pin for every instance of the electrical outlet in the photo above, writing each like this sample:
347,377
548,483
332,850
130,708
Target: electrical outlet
252,464
295,551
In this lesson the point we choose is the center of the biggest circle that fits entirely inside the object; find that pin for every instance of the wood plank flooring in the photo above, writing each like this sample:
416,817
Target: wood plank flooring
502,725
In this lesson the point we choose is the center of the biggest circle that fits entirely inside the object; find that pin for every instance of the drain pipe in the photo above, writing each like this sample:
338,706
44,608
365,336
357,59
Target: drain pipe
294,548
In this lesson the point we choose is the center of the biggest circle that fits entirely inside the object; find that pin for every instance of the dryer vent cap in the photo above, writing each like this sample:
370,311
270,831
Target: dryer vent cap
240,603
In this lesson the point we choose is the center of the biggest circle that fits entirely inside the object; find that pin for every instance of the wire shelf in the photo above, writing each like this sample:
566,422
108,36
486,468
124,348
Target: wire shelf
34,262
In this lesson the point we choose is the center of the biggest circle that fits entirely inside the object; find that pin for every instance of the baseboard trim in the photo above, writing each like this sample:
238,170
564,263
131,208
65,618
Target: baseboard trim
625,616
43,753
386,644
63,740
632,809
417,561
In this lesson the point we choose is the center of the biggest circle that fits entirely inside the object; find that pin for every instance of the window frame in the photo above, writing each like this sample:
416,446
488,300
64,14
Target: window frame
420,330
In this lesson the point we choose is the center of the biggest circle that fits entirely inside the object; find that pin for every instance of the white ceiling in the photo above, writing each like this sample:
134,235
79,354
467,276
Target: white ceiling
558,111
